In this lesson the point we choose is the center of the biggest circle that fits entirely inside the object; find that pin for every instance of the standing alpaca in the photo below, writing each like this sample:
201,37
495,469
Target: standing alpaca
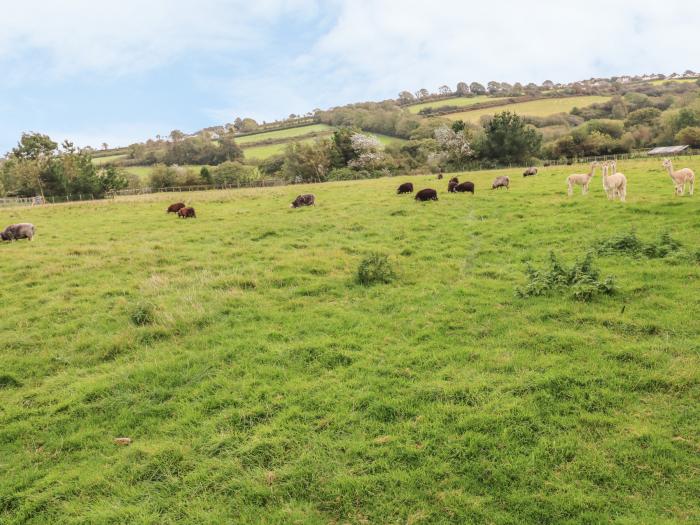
581,179
615,185
680,177
608,168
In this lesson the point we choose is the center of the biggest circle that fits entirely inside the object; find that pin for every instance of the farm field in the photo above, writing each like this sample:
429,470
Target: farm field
109,158
457,101
535,108
283,133
658,82
260,383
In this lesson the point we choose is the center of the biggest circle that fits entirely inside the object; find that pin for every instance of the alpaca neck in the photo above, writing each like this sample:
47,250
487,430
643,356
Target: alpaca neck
670,170
590,173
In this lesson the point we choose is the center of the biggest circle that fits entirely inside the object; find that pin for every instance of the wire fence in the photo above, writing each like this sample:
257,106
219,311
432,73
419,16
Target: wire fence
6,202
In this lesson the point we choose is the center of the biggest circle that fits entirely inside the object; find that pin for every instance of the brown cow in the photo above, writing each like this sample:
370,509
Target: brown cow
186,212
174,208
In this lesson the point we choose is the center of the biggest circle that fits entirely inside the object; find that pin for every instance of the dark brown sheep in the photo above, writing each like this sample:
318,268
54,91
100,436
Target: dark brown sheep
464,187
308,199
501,182
530,172
454,179
406,187
439,176
186,213
23,230
428,194
174,208
451,186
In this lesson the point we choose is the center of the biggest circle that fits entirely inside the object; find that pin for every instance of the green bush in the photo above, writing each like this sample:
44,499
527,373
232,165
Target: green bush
583,279
630,244
375,269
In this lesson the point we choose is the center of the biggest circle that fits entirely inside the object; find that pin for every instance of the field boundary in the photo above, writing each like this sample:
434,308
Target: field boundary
11,202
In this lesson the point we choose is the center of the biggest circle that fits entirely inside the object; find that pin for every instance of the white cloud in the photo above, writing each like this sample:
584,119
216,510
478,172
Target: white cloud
132,35
413,44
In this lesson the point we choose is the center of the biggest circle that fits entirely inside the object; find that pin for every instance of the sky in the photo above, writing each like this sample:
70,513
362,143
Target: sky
95,71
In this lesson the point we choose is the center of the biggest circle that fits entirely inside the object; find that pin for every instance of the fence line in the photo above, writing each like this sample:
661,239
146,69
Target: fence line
267,183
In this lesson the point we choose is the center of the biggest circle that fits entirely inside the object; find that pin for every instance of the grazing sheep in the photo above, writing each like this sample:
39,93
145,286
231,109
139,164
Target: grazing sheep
530,172
454,179
23,230
186,212
451,186
501,182
308,199
680,177
615,185
439,176
465,187
174,208
406,187
581,179
428,194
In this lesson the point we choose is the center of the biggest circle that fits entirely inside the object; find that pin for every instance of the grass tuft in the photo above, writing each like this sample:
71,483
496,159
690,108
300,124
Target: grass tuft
375,269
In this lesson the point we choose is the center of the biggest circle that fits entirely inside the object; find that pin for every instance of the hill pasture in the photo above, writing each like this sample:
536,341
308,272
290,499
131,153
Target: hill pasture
259,382
534,108
455,101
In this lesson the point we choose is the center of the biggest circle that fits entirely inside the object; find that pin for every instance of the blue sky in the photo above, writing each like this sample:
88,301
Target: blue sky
93,71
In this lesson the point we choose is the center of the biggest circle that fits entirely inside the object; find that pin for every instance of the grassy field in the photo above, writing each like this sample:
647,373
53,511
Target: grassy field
283,133
260,383
457,101
268,150
109,158
535,108
659,82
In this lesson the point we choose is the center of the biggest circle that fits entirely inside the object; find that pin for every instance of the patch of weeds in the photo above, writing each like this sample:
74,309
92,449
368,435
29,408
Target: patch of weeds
630,244
582,279
375,269
7,381
143,313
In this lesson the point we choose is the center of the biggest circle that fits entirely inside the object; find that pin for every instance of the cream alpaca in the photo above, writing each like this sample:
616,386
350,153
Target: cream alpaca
680,177
581,179
615,184
607,189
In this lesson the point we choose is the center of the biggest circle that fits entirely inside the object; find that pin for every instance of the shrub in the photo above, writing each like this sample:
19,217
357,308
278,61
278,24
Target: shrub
342,174
582,279
143,313
374,269
630,244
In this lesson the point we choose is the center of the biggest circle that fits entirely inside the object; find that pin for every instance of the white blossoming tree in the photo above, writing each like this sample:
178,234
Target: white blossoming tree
367,150
454,145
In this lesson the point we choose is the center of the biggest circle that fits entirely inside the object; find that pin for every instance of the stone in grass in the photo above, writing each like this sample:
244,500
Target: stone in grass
124,441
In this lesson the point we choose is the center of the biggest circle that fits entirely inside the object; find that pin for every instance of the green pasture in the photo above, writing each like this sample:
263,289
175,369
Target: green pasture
259,382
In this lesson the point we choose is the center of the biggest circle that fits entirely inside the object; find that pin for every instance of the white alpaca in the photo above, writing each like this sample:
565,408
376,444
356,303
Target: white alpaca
581,179
680,177
608,190
615,184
